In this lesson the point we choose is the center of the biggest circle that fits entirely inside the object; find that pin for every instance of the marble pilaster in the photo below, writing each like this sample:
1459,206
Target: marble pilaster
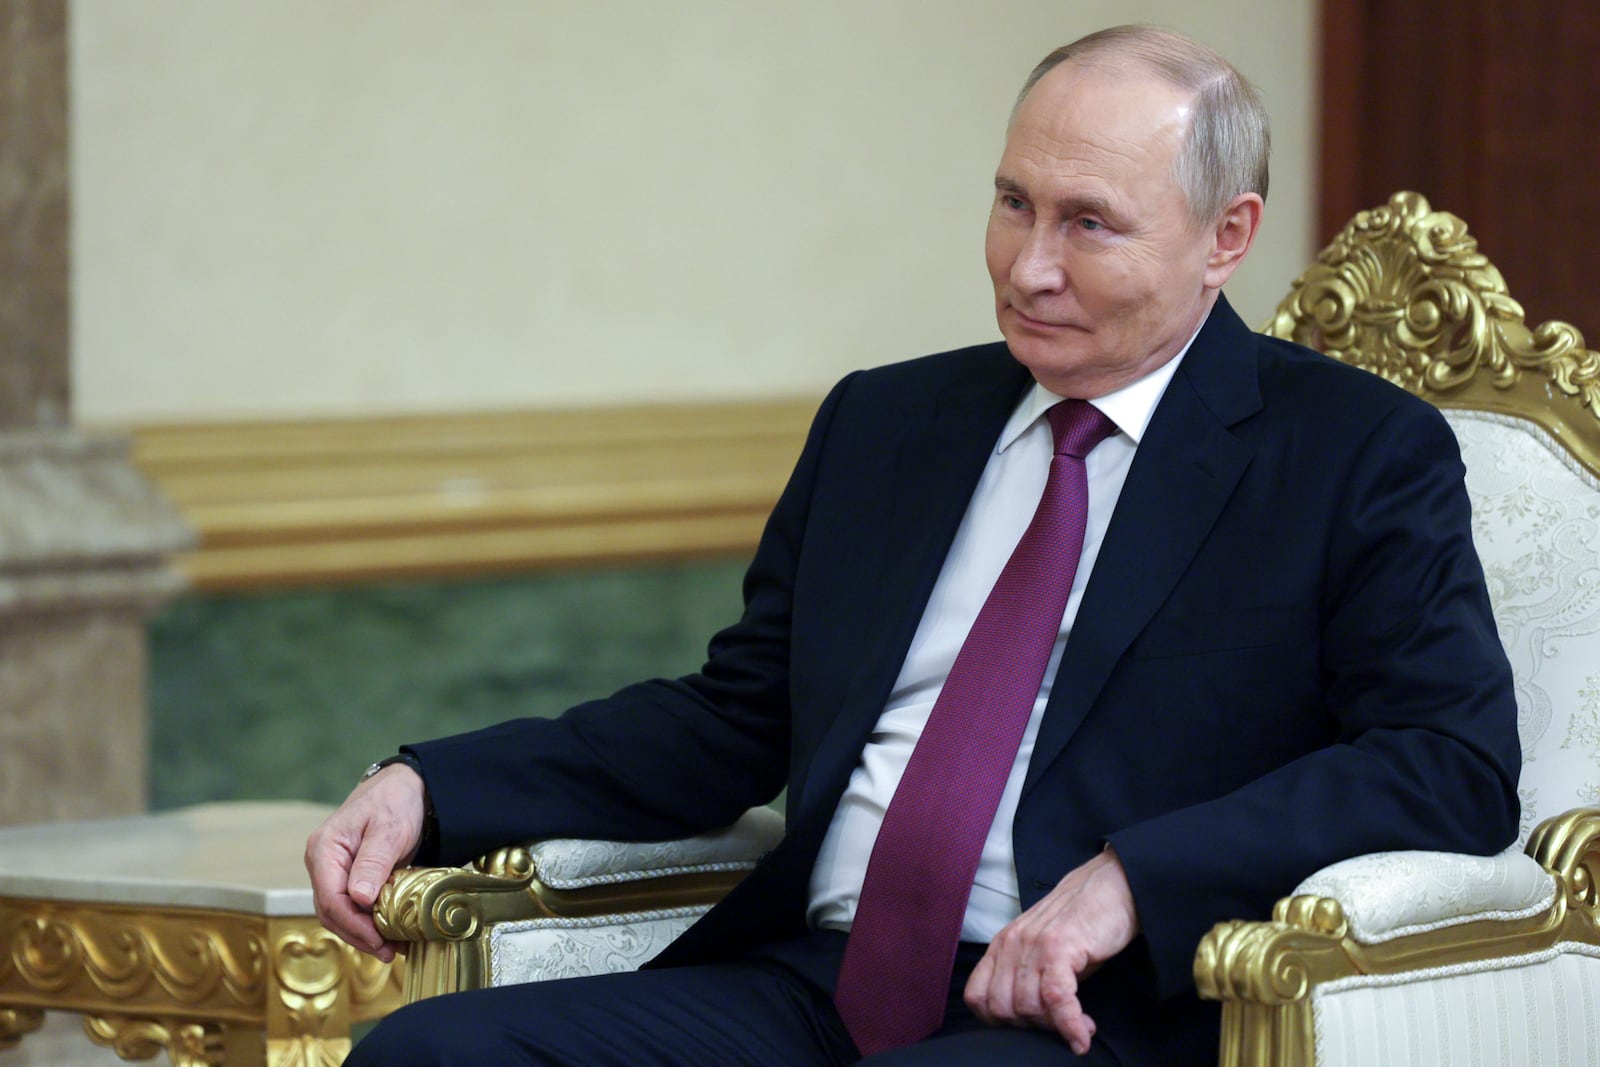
34,209
83,537
84,541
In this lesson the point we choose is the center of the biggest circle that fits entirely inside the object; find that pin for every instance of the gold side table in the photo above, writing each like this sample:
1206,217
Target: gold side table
190,931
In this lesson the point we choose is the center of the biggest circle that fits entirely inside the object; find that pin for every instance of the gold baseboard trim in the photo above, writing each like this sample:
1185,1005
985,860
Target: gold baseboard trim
333,501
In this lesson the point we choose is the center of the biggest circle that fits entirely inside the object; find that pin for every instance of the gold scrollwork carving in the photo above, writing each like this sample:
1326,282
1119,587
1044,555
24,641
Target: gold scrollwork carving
1568,846
454,903
122,956
374,985
1403,291
310,967
1272,963
187,1044
320,985
1319,915
16,1022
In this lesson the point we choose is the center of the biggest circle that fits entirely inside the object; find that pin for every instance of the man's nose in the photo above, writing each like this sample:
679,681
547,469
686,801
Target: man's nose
1039,266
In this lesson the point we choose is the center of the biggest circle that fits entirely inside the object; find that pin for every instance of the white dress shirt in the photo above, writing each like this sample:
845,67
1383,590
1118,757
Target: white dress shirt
996,517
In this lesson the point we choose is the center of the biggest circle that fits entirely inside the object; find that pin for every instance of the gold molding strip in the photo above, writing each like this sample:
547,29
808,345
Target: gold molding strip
327,501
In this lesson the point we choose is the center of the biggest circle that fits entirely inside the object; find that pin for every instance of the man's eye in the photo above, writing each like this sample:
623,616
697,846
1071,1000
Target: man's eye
1013,202
1091,224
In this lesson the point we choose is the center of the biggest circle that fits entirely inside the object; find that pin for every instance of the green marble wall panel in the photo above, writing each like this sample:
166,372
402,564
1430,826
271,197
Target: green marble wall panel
292,694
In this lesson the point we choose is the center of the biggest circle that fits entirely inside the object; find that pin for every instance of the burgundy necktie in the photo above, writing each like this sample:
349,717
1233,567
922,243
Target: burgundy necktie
895,977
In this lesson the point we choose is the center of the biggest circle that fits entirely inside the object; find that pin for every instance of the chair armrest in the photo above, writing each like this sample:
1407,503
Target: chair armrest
571,863
1393,894
443,915
1446,917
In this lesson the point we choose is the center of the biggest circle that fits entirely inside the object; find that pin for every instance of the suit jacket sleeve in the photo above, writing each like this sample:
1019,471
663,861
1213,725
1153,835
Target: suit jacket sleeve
1425,752
661,759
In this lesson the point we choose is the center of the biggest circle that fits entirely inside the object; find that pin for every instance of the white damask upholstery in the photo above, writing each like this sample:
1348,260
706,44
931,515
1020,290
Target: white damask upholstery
535,950
572,863
1393,894
1536,1011
1536,523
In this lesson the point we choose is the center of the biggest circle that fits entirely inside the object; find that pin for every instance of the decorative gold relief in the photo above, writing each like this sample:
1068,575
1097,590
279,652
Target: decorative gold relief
201,984
137,960
309,1026
1568,846
321,985
374,986
1404,292
187,1044
1267,963
453,903
16,1022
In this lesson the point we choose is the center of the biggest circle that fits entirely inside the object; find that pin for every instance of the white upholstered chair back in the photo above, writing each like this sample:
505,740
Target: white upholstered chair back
1536,523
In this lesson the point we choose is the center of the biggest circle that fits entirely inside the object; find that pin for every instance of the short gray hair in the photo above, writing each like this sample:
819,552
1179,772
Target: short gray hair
1230,138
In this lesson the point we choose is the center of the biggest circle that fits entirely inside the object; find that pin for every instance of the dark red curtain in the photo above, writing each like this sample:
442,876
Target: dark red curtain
1490,109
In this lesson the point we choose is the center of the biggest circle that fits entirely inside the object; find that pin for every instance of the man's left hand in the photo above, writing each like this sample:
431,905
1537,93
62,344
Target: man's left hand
1030,975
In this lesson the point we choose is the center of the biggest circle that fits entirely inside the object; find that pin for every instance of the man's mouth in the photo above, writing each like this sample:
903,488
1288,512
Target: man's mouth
1031,322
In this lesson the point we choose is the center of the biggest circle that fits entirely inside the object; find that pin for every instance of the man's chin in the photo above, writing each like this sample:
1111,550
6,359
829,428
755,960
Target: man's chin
1046,359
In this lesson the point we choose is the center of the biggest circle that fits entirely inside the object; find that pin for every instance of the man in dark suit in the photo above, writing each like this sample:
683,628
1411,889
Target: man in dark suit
1272,649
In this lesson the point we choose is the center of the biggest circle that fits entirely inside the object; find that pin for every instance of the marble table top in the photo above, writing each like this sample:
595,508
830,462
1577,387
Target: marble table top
238,856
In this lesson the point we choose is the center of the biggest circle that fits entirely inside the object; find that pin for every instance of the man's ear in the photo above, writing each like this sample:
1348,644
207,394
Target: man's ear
1232,236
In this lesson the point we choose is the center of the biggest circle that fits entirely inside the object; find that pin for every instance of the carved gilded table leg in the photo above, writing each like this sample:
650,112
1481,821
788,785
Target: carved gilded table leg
15,1022
309,1012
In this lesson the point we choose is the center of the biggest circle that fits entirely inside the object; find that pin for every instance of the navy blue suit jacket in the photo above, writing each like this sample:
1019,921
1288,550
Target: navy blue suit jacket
1284,657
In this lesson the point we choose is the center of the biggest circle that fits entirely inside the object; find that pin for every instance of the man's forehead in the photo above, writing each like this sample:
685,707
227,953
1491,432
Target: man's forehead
1099,119
1125,98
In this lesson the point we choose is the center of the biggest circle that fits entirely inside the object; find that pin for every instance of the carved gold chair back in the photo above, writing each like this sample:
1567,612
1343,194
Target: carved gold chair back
1404,292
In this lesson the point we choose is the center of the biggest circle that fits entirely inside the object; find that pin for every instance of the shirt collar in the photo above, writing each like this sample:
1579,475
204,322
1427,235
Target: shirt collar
1130,407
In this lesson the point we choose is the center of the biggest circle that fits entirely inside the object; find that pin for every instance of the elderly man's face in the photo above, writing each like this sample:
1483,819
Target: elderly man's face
1099,275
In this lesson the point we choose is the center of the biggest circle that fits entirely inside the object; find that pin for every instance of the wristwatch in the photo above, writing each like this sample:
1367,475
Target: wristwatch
430,819
405,757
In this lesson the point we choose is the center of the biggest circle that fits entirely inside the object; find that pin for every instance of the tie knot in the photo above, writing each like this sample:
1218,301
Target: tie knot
1078,426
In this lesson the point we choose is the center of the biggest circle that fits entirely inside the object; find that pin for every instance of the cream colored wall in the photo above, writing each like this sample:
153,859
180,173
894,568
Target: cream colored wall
299,207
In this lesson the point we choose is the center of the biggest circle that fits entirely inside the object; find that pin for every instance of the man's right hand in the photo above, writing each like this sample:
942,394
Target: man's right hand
352,853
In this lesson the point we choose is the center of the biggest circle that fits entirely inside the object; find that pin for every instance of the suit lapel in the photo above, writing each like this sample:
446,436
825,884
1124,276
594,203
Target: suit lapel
940,455
1182,476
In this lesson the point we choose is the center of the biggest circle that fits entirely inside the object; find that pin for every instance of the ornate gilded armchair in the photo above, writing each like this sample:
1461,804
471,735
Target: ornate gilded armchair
1429,958
560,908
